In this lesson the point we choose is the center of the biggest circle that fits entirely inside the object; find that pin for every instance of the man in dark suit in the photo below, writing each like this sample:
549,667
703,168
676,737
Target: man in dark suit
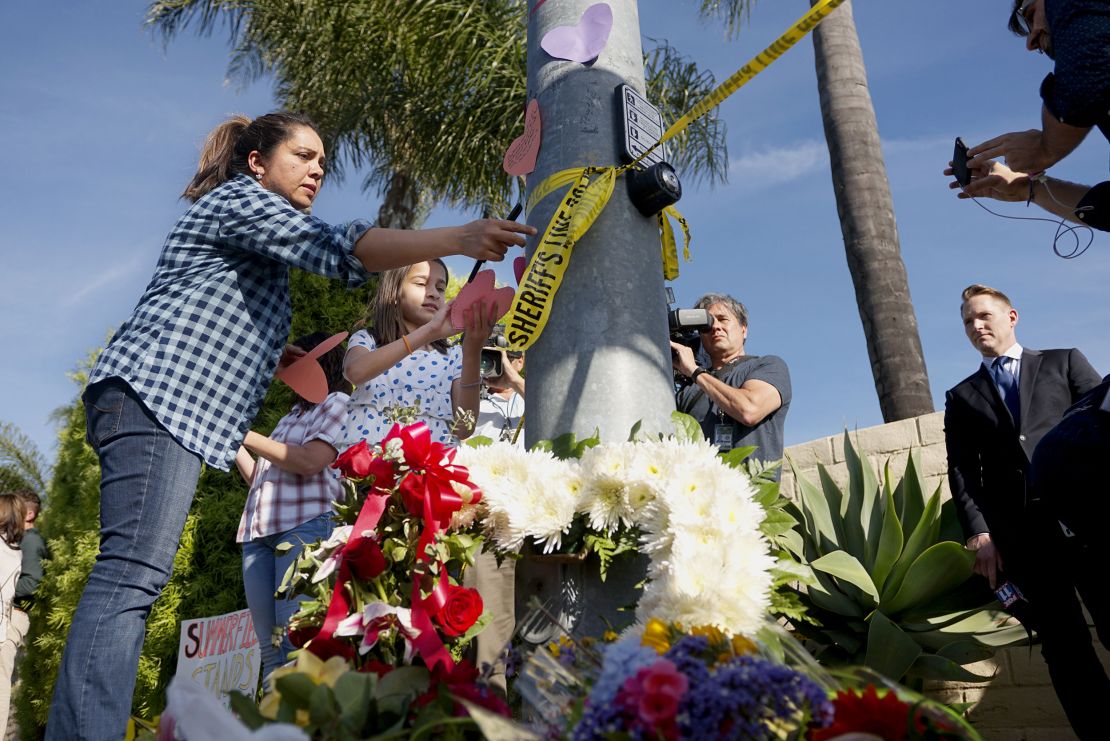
993,420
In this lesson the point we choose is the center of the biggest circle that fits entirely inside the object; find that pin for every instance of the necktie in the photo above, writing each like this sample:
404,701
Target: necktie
1007,387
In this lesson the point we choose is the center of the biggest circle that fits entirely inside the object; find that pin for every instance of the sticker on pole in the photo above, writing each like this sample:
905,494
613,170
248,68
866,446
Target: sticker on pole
642,125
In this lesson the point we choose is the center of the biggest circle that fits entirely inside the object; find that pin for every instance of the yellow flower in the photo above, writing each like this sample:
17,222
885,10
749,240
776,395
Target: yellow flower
309,664
553,647
742,645
712,632
657,635
609,636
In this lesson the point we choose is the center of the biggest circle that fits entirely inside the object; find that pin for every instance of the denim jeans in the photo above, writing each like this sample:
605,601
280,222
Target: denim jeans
147,482
263,570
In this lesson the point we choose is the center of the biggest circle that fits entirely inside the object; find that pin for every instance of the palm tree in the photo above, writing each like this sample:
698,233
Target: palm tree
865,208
21,464
866,211
426,94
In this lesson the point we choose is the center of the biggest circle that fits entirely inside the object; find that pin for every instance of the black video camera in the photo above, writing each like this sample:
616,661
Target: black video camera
686,325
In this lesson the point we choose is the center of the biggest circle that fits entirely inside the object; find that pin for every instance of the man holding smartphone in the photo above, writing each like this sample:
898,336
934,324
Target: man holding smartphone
1075,99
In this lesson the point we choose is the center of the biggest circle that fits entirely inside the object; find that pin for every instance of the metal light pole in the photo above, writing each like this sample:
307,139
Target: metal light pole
603,361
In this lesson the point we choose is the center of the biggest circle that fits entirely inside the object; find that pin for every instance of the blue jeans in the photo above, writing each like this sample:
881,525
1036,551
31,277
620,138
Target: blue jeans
147,482
263,570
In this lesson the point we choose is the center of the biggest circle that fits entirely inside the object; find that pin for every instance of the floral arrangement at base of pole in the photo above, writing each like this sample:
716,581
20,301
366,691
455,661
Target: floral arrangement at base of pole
387,622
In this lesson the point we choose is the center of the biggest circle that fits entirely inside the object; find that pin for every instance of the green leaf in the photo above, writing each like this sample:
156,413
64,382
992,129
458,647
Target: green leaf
635,430
863,490
889,650
686,428
296,689
922,537
913,495
322,708
246,709
845,566
890,543
477,627
353,691
818,519
941,567
931,666
737,456
283,548
404,681
776,522
828,597
478,441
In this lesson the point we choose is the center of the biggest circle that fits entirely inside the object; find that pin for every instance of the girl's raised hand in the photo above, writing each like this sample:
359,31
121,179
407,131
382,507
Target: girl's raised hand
480,321
440,323
490,239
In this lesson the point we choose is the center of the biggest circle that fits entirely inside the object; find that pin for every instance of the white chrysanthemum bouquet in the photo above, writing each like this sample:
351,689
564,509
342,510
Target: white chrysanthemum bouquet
693,512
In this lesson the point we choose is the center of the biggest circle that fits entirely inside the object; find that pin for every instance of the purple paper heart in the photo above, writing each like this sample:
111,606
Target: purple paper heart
582,42
518,267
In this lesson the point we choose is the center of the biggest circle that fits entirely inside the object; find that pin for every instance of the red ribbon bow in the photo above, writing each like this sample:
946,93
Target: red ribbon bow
427,492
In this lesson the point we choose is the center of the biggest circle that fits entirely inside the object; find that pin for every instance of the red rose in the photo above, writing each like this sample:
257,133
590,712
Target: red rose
365,559
355,461
302,635
327,647
461,610
373,666
360,462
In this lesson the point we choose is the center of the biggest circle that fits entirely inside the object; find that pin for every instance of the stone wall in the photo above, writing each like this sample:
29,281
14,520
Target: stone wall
1019,704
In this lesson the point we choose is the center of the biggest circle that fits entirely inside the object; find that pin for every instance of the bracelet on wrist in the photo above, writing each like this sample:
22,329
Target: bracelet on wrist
470,385
697,372
405,339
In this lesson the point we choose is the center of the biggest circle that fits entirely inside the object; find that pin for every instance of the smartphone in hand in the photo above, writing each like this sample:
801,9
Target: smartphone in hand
959,163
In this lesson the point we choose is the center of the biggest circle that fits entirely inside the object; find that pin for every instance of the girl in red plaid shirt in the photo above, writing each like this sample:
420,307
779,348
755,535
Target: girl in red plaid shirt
292,490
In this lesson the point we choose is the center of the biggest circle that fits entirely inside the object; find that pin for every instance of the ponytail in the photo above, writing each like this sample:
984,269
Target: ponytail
216,155
227,147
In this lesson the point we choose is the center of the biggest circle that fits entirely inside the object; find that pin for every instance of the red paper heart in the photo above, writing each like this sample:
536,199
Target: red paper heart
519,264
520,157
481,289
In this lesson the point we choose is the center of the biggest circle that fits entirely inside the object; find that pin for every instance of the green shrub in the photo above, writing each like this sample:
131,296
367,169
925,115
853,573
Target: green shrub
207,578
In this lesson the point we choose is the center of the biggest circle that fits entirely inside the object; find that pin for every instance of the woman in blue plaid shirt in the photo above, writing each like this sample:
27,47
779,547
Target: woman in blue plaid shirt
182,379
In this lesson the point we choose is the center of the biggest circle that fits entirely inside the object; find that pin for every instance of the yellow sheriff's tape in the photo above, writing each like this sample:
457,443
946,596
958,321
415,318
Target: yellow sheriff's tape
544,273
587,198
668,243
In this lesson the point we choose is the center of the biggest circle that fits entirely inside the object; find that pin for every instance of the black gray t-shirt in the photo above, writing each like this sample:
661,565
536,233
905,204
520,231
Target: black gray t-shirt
767,436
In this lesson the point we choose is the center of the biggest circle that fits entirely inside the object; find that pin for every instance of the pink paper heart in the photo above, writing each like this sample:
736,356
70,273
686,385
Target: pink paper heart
519,264
305,376
520,157
584,41
481,289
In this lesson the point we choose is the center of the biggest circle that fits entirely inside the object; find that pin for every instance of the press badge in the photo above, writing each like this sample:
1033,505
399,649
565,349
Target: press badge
722,437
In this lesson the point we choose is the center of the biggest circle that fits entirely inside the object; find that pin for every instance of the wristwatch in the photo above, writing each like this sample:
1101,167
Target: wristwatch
697,372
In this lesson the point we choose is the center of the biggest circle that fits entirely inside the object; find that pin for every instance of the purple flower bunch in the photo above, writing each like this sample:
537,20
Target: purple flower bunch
723,697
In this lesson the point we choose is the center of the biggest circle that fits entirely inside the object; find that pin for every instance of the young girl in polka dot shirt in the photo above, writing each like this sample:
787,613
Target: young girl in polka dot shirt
402,358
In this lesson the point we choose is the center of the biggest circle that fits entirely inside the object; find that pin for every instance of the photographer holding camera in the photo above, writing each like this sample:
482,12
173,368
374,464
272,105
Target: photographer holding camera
502,398
740,400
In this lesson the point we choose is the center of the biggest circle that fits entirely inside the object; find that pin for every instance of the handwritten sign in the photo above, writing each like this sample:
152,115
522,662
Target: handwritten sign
520,157
220,654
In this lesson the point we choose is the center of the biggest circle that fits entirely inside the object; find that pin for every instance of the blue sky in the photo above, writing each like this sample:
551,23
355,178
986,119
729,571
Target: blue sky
102,126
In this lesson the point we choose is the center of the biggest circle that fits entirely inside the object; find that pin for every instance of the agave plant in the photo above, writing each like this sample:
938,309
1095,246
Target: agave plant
893,587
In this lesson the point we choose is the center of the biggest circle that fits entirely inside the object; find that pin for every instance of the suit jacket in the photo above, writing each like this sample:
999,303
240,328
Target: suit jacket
988,456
